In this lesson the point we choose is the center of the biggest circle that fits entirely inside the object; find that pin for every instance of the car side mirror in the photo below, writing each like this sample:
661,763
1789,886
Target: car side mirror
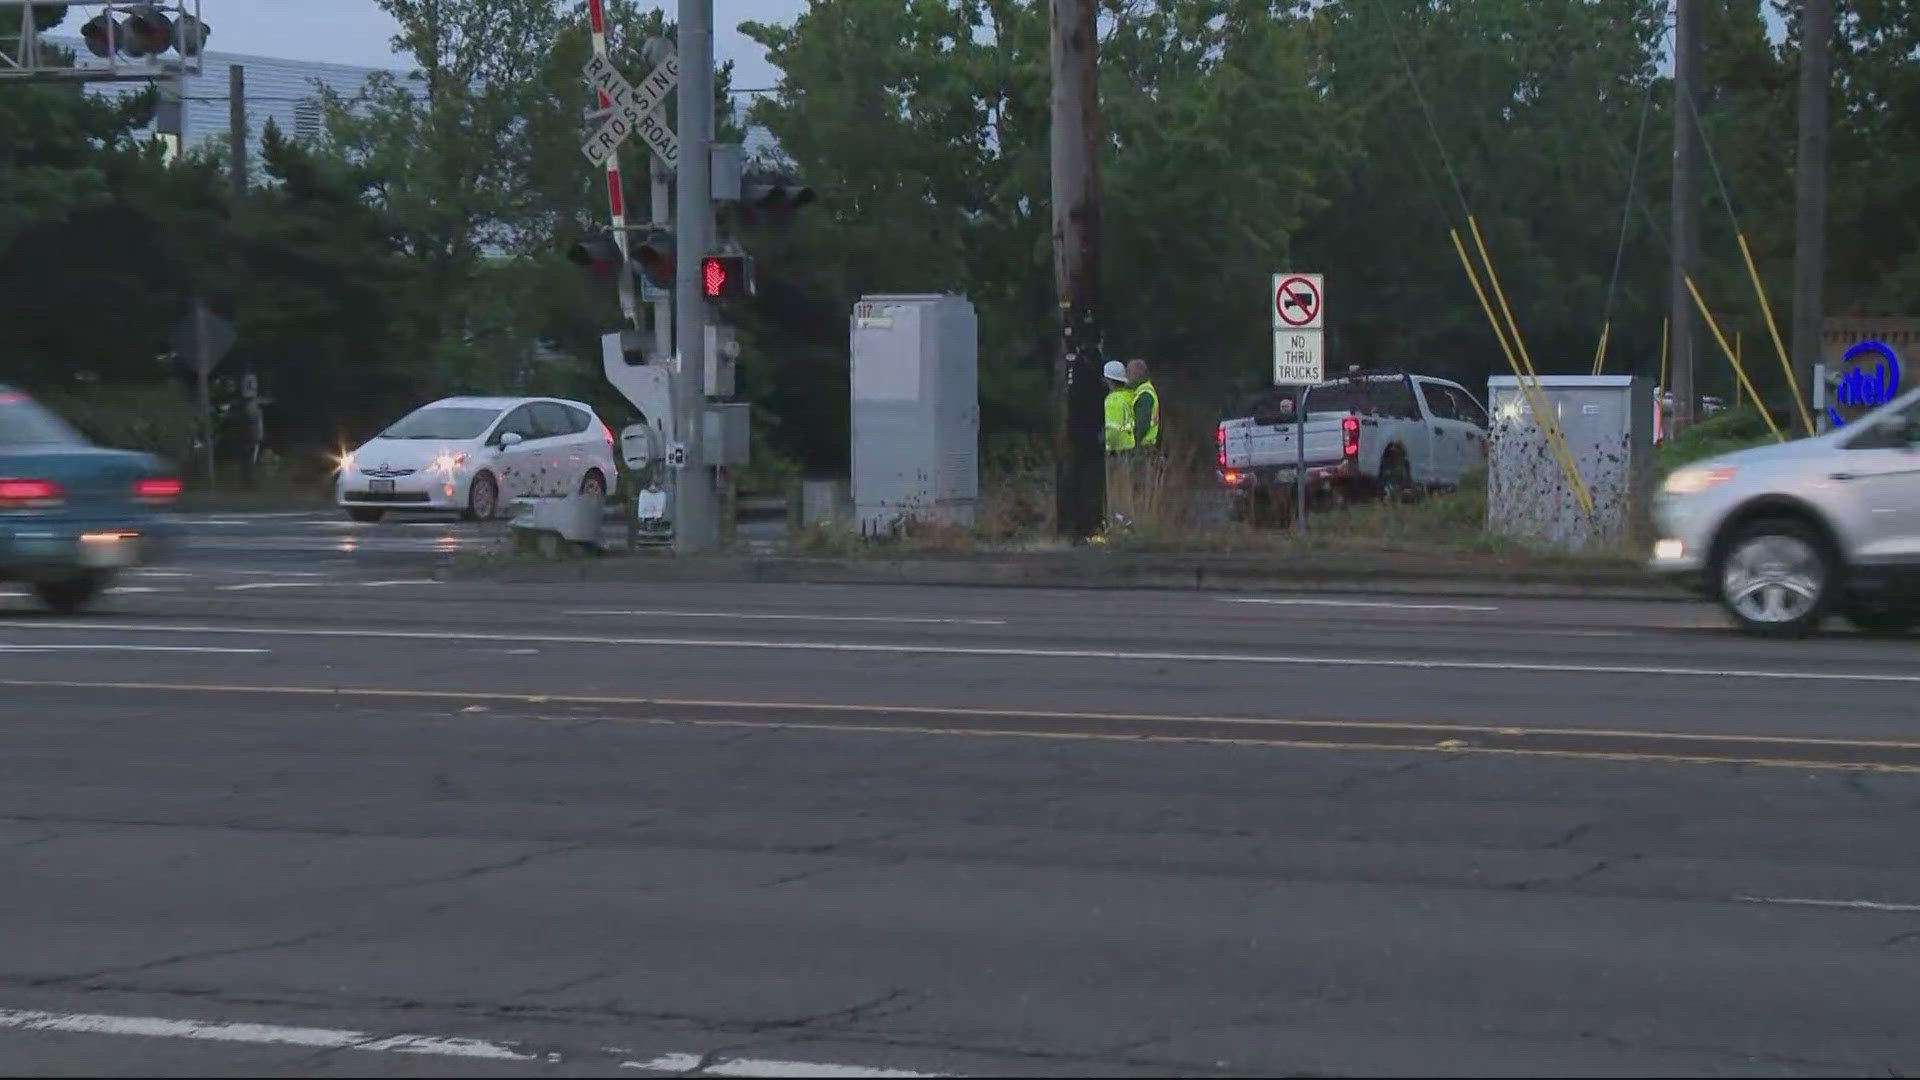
510,438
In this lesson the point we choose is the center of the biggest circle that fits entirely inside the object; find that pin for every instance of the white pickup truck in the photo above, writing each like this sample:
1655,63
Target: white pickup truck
1366,435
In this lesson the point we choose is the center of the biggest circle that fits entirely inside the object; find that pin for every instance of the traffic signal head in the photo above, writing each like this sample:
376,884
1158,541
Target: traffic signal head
146,31
726,277
653,256
772,199
597,251
100,33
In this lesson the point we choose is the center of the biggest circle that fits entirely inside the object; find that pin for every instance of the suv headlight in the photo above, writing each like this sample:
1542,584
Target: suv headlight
1696,480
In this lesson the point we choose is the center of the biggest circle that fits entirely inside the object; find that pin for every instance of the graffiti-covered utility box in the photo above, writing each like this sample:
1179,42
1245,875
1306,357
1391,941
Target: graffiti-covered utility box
916,411
1607,421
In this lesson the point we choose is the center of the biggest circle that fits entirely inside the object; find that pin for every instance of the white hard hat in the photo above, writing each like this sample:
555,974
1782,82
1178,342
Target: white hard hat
1115,370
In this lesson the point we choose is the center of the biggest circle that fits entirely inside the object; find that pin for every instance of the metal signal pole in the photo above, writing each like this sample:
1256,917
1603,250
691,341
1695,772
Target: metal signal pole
695,517
1685,255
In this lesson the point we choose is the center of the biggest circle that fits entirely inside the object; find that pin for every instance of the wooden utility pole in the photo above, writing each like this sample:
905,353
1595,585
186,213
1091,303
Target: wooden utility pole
1810,190
237,129
1080,461
1685,255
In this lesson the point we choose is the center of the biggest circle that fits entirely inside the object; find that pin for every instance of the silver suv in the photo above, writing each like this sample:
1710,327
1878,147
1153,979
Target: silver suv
1784,535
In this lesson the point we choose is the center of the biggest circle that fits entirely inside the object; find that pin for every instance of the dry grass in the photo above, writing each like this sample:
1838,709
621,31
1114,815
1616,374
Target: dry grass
1172,505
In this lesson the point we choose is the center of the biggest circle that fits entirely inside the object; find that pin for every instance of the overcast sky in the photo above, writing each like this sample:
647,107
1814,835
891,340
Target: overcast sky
358,32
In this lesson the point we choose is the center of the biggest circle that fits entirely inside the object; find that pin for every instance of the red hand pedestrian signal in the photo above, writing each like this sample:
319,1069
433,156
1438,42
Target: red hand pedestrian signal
724,277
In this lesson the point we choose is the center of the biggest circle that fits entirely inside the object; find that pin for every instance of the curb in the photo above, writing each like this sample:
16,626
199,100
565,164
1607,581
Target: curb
1188,573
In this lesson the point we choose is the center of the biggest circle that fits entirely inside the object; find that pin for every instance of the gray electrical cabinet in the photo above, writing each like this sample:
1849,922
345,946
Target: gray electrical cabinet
916,411
1607,421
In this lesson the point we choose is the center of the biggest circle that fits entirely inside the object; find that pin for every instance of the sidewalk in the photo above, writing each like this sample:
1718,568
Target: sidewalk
1405,573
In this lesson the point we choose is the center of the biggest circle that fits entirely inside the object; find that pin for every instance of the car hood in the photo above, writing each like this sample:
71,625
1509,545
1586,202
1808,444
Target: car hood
1770,454
406,453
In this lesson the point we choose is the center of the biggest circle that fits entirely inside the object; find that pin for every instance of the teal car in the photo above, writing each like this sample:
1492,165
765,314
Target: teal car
73,515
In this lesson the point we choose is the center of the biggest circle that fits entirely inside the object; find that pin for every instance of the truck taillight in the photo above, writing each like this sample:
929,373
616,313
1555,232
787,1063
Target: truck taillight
1220,443
1350,437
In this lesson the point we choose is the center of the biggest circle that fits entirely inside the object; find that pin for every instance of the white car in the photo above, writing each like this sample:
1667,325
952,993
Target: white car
473,455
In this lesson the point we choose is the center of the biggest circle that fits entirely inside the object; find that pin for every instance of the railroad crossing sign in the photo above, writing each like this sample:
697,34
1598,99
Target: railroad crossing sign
1296,301
1299,345
633,110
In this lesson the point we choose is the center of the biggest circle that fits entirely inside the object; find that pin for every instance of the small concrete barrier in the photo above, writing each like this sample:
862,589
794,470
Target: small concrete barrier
552,524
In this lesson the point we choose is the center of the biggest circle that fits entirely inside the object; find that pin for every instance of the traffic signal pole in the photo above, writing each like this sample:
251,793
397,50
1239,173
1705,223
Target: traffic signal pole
695,517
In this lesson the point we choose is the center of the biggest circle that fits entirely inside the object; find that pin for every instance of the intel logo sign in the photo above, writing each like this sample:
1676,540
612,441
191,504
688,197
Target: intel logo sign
1861,388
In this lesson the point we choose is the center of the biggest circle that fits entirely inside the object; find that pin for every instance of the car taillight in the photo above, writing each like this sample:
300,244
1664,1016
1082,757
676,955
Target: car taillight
1350,437
157,489
1220,441
17,494
607,434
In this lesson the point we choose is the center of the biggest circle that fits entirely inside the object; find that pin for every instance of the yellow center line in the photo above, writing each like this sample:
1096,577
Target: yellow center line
1448,735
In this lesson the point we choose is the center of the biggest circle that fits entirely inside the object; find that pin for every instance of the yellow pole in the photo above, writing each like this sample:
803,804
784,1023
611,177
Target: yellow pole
1760,290
1600,354
1536,401
1737,369
1548,424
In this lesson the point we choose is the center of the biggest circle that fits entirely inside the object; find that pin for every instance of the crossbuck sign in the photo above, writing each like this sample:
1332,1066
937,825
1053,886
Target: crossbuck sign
633,110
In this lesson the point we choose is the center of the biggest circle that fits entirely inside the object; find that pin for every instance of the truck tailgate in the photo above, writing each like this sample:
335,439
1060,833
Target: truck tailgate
1248,445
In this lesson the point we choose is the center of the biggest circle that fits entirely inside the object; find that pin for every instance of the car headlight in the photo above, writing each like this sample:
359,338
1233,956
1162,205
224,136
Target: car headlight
1695,481
447,463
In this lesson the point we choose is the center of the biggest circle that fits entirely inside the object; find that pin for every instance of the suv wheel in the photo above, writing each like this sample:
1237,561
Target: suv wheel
1776,578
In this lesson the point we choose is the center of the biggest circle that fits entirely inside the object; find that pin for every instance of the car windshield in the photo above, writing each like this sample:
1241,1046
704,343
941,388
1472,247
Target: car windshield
24,423
442,422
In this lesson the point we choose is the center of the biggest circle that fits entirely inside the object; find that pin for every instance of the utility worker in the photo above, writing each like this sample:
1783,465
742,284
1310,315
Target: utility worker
1146,405
1119,430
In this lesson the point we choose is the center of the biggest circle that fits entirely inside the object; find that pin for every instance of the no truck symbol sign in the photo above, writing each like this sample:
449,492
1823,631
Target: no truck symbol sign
1297,301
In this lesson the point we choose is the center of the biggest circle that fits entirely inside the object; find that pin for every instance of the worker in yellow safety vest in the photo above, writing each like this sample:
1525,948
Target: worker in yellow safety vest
1146,405
1119,430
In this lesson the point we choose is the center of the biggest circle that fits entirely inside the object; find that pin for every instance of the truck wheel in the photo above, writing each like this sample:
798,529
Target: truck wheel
1396,477
1776,578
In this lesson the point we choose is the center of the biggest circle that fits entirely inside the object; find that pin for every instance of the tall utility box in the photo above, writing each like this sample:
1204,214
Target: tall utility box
1608,424
916,412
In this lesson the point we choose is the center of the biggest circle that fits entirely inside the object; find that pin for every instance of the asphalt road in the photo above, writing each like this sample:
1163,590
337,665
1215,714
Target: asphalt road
290,806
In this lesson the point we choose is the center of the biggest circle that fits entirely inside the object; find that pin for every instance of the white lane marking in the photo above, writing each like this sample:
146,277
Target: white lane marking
144,572
144,589
648,613
274,585
1009,652
688,1063
1797,901
155,1027
224,1031
407,581
278,573
1293,602
7,648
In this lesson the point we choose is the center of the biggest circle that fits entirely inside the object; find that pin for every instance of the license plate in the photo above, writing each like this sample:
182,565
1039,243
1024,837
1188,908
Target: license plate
382,487
104,554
